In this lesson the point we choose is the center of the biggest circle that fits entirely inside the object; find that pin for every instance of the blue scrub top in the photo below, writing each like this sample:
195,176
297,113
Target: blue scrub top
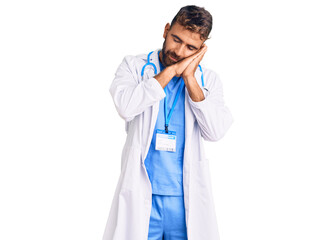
165,169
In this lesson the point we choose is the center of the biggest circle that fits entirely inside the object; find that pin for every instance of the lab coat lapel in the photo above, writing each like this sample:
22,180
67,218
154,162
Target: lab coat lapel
189,116
154,58
188,150
188,158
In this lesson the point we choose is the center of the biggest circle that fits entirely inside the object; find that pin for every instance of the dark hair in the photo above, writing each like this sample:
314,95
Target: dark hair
195,19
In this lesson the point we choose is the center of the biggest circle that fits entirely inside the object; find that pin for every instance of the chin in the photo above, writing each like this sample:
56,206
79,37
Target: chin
167,62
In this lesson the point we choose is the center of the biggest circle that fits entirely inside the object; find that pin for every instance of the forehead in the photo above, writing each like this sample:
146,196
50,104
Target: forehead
186,35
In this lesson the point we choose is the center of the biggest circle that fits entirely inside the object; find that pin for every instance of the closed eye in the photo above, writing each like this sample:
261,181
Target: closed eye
192,48
177,40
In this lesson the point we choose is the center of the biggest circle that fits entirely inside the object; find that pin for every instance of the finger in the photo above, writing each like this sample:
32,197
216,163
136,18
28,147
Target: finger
199,58
191,58
203,48
200,52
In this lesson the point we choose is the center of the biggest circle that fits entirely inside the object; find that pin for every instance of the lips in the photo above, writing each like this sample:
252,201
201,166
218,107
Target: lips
173,59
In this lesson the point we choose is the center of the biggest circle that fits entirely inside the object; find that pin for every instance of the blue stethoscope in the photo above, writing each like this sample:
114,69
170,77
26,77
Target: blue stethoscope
149,63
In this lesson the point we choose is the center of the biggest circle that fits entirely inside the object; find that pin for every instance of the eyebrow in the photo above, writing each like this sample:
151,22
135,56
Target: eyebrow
189,45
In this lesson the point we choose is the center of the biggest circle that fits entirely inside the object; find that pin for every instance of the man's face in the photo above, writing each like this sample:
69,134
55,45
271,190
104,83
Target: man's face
179,43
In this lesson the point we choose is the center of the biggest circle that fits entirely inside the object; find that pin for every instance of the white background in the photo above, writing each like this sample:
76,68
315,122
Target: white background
273,174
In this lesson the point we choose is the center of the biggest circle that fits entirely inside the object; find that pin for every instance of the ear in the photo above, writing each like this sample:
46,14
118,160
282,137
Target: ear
167,27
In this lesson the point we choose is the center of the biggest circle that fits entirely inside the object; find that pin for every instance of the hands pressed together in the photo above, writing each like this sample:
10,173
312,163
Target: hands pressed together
185,68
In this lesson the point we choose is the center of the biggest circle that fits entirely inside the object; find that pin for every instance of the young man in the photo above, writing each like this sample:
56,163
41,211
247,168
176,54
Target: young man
170,104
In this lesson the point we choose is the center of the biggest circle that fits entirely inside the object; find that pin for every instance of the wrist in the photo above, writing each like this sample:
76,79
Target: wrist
195,92
165,76
172,70
189,78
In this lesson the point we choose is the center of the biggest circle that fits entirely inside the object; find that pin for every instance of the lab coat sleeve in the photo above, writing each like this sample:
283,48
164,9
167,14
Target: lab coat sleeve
131,94
212,115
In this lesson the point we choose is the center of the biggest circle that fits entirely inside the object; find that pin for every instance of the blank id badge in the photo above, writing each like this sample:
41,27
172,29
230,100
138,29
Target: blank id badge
165,141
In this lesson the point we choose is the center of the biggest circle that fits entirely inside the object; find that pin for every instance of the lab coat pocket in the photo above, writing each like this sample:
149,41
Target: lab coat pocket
131,164
202,173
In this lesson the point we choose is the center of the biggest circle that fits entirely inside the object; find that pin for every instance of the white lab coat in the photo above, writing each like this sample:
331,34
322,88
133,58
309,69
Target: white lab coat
137,102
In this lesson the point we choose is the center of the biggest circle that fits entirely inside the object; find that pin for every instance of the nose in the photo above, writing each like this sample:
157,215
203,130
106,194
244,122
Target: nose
179,51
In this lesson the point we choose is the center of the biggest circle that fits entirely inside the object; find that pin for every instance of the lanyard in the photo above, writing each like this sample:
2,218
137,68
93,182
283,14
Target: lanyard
168,117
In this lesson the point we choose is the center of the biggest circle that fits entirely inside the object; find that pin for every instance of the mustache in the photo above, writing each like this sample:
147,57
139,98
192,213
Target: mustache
174,55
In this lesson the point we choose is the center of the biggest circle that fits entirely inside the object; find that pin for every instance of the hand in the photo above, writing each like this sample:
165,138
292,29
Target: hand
188,66
192,67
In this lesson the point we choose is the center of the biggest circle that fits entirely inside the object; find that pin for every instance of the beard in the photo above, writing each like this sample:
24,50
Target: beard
165,56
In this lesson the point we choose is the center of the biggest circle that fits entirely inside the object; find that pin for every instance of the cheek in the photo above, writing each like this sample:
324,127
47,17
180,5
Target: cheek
188,53
170,45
